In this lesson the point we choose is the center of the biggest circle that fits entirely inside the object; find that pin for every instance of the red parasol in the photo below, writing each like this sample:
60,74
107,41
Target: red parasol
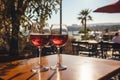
110,8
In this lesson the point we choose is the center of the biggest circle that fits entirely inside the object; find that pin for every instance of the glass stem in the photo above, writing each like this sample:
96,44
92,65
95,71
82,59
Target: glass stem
39,49
59,57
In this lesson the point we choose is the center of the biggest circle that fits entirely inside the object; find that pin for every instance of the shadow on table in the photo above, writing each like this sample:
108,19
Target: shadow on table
1,79
6,67
18,74
4,59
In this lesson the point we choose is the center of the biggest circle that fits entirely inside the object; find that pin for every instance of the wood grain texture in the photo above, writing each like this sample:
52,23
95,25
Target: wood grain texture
78,68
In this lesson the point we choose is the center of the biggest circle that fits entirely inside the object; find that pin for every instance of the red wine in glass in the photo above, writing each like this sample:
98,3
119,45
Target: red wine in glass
59,40
39,40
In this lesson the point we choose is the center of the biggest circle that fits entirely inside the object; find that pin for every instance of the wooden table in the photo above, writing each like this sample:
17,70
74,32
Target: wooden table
79,68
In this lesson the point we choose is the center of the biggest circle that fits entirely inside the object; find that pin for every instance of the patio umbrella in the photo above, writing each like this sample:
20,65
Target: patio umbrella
110,8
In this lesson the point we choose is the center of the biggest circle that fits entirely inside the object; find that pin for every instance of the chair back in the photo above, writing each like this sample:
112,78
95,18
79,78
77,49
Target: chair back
116,46
105,46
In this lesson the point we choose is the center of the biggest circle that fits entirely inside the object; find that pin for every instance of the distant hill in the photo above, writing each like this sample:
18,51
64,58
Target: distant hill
97,26
74,27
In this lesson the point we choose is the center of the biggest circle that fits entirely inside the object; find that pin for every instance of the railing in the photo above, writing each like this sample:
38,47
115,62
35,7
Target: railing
98,49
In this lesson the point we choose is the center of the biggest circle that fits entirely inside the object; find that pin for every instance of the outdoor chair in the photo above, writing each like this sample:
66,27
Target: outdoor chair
90,49
104,48
106,37
78,47
93,49
116,50
74,47
82,48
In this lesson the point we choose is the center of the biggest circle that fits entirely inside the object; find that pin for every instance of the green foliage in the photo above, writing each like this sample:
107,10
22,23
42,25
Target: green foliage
26,12
85,37
41,10
83,31
16,13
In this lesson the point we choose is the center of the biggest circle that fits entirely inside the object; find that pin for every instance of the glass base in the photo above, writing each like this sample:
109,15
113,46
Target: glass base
60,67
40,69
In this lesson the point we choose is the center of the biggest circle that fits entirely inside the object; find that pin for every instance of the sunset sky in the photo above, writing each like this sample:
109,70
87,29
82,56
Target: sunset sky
71,9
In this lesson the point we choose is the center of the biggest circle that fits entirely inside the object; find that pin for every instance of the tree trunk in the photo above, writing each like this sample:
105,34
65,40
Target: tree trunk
14,49
85,28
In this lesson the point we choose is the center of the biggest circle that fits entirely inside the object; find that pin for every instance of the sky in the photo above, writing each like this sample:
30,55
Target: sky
71,9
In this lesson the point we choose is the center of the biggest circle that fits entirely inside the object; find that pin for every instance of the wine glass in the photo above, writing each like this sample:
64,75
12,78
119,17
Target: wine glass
39,38
59,37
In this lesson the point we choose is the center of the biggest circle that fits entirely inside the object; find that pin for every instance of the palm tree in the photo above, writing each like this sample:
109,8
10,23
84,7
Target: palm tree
84,16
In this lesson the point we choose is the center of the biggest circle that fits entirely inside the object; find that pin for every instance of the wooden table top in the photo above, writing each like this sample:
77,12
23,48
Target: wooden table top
78,68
